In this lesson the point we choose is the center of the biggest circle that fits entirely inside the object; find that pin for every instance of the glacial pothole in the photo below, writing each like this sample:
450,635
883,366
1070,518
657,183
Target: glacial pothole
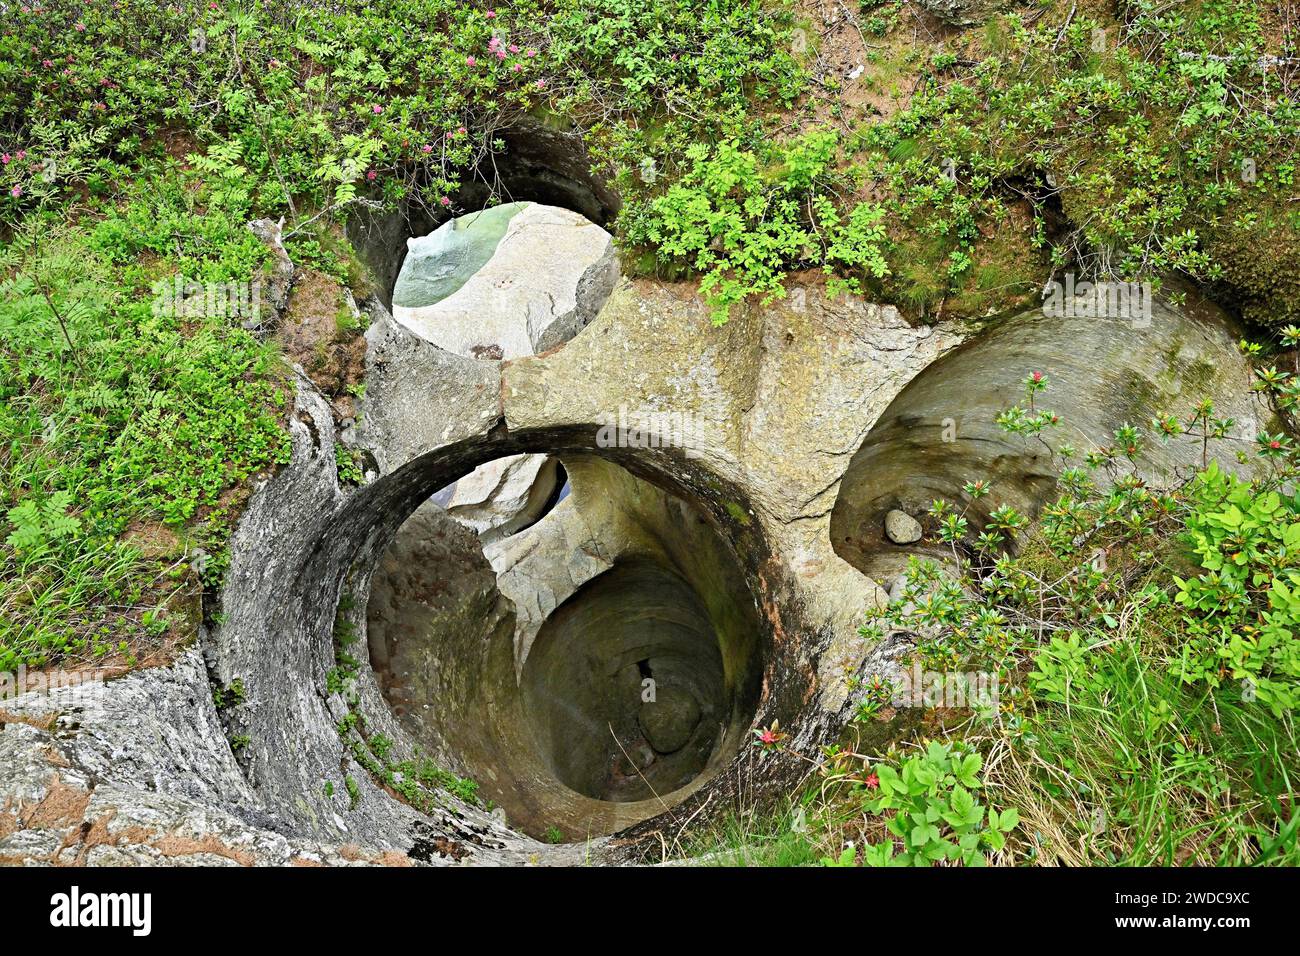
540,164
941,430
625,685
575,627
589,670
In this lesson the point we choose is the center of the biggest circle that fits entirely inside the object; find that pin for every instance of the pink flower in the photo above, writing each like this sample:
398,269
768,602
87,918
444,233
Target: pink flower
460,131
516,68
4,158
541,84
872,782
16,191
371,175
530,54
470,61
501,54
47,63
22,154
377,108
426,148
80,28
491,14
514,48
768,737
445,201
1037,376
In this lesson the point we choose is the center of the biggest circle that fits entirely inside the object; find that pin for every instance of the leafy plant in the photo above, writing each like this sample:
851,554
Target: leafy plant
935,816
36,526
1144,642
1245,605
744,221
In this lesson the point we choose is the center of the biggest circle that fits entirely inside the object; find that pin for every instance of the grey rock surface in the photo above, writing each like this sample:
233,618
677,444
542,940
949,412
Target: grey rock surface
505,282
901,527
499,498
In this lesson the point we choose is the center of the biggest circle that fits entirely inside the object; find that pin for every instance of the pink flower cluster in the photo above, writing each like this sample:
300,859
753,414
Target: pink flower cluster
502,51
6,159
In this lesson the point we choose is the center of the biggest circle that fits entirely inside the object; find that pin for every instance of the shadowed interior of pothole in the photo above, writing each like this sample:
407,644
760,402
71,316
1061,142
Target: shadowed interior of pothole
941,431
625,685
588,670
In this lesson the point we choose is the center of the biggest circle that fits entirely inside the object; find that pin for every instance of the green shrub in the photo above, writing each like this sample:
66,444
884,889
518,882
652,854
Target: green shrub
935,815
1244,608
112,415
745,222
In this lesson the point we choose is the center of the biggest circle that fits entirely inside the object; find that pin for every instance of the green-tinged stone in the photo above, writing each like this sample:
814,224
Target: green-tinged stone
438,264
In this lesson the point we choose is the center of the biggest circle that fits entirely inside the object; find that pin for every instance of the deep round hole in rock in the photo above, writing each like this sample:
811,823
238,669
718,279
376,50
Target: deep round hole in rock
625,685
539,163
588,667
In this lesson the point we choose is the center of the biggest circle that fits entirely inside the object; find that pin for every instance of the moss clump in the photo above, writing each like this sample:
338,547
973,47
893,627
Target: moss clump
737,512
1258,252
